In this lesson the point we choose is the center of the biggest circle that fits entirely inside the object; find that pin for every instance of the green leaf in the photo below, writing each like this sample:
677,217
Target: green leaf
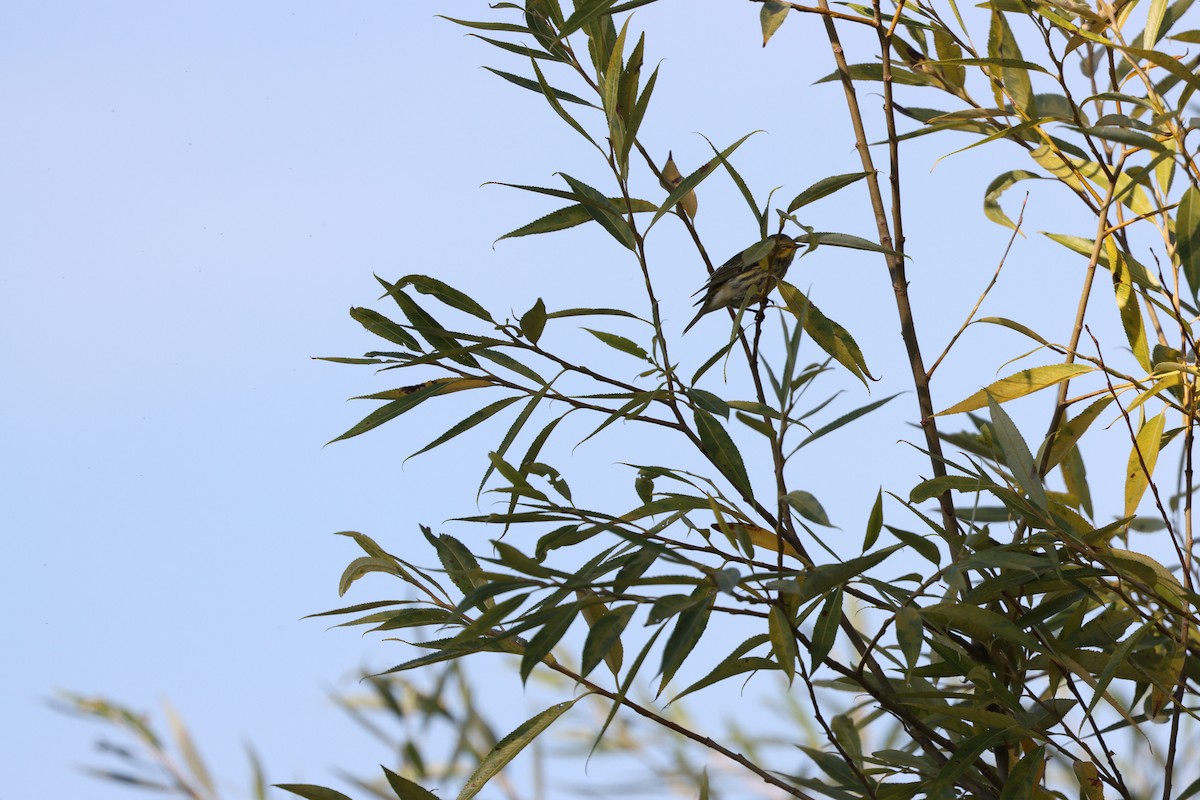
807,506
602,211
874,522
1014,71
483,414
934,487
827,334
310,792
1002,182
874,72
586,12
824,187
447,294
569,217
948,49
772,16
406,789
977,622
534,86
1142,458
1187,237
822,579
783,641
620,343
512,744
825,629
1068,434
548,635
687,631
506,27
1019,384
719,447
1023,781
533,322
909,634
845,419
734,664
552,97
428,327
604,639
849,241
923,547
390,411
383,327
1017,455
709,402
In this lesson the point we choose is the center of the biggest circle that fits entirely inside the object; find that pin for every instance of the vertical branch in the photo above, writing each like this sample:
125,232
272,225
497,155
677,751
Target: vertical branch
895,259
1085,293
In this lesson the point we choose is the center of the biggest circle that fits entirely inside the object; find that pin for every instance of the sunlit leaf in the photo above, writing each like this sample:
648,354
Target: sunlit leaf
1187,237
1142,458
1019,384
1017,455
772,15
1002,182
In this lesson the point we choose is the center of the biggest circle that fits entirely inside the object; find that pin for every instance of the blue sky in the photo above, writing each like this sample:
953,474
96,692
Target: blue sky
196,194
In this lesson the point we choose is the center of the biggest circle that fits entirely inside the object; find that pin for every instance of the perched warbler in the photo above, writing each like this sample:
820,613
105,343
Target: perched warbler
742,282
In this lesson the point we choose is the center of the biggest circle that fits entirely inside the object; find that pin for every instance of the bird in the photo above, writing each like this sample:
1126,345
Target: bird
741,282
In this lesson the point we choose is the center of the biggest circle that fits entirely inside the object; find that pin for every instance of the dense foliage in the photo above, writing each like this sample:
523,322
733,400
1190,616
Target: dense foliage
1017,646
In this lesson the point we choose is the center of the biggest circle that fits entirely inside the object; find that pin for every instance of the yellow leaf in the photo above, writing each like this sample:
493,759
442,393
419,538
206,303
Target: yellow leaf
761,537
1142,458
1019,384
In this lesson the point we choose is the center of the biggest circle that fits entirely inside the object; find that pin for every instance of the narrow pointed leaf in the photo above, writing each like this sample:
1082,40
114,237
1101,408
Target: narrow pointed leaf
874,522
620,343
783,641
510,746
1187,237
483,414
390,411
825,629
383,327
447,294
311,792
719,446
1017,455
1145,451
1002,182
533,86
406,789
569,217
604,640
687,631
1019,384
827,334
824,188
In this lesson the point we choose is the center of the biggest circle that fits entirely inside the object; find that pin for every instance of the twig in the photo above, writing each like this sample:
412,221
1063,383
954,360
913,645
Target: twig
992,283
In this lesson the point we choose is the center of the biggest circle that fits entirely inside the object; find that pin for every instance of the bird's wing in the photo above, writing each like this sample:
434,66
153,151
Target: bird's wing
722,273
